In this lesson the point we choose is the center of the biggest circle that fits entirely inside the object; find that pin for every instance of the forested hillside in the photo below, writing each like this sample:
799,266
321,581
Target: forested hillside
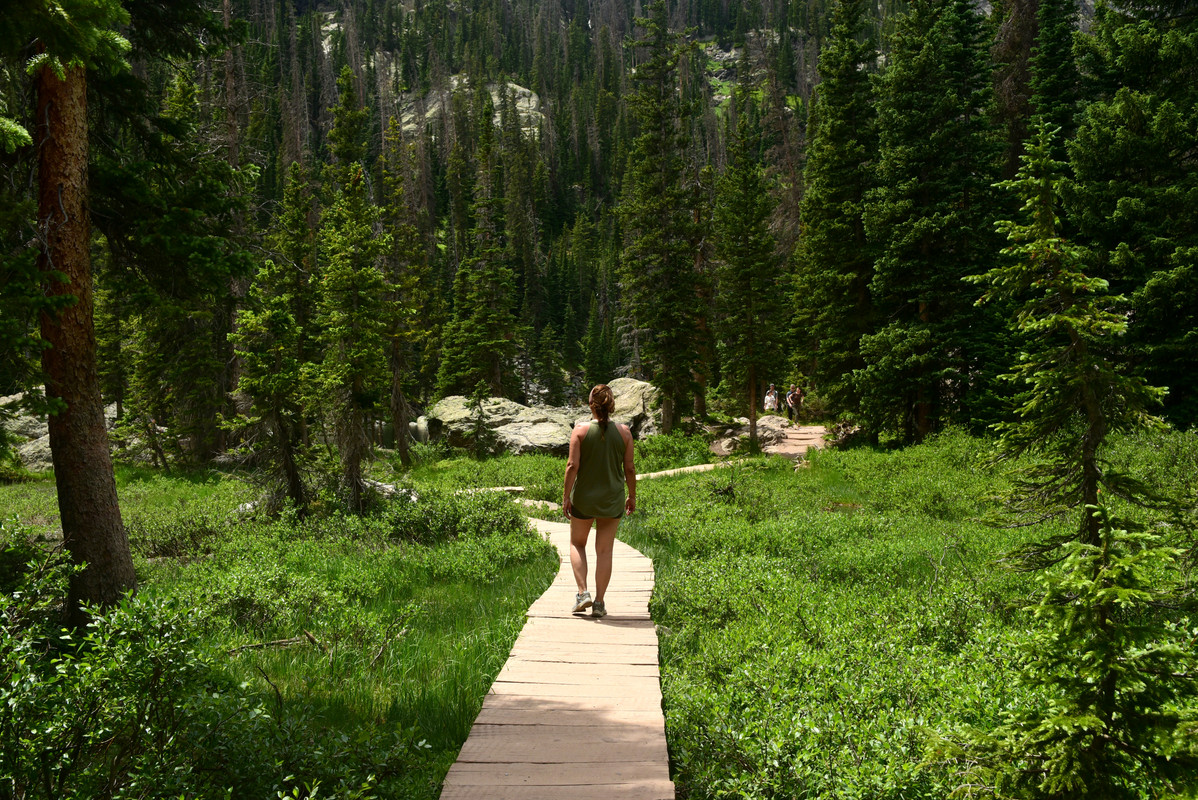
322,215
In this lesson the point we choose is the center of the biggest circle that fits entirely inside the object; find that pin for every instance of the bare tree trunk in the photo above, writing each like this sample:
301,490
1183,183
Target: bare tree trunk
399,407
753,404
667,412
87,501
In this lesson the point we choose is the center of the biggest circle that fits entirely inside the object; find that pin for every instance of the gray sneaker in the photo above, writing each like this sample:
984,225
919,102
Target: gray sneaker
582,601
598,610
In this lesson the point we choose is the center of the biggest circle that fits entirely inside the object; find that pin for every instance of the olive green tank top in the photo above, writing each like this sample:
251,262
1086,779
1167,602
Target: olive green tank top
599,488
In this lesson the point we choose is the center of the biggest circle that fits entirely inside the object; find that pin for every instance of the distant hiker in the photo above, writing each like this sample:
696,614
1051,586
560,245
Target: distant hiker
771,399
599,467
792,403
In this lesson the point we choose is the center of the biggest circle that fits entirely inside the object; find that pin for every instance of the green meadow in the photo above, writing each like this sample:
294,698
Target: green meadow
819,626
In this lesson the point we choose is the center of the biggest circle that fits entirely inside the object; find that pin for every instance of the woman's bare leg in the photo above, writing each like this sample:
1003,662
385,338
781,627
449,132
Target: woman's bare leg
580,530
605,540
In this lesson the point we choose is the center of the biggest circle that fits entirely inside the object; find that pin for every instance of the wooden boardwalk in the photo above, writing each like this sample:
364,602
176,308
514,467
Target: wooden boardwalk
576,711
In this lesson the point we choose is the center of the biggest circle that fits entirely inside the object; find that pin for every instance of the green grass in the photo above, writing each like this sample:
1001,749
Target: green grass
540,475
414,611
818,625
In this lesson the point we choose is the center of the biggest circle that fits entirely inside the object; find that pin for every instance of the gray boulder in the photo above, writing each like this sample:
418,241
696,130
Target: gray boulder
634,406
517,428
24,425
35,454
539,429
771,430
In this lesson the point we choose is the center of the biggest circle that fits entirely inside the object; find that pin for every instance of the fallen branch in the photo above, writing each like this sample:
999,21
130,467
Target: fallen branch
275,643
307,637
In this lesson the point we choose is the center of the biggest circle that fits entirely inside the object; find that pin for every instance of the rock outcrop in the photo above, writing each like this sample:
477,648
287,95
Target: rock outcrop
539,429
771,430
30,435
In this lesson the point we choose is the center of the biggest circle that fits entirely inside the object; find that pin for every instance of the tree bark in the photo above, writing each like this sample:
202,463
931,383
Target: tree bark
399,407
753,404
87,501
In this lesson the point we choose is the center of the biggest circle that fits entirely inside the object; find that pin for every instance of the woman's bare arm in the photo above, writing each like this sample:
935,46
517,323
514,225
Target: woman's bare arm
572,466
629,470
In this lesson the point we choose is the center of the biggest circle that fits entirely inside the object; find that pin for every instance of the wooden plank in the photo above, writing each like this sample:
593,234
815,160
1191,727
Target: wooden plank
516,715
645,790
606,733
600,686
612,706
570,748
594,657
561,775
521,669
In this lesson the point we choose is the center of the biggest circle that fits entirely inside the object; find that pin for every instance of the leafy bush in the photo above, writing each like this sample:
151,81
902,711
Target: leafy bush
17,552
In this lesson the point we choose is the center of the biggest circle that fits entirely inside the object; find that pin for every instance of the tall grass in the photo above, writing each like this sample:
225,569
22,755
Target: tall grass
816,624
411,612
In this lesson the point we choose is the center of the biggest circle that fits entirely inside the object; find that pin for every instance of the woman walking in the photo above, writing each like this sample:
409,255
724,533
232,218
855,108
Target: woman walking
599,467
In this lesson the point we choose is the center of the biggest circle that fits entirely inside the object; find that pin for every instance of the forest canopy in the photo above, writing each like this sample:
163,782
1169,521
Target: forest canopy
303,208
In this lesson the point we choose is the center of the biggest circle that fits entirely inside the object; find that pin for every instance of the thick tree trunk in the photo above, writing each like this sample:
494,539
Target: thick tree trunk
87,501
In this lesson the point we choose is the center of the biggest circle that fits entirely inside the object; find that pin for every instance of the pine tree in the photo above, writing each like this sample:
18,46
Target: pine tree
276,343
409,278
165,207
480,338
1054,75
1134,188
268,340
835,260
293,240
1074,393
936,356
749,283
550,368
73,39
347,137
1116,678
352,380
658,281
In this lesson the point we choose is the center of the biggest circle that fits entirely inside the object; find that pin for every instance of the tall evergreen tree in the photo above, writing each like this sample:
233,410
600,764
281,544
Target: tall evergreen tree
352,379
167,207
835,259
274,338
1134,196
931,218
1112,681
749,284
267,340
657,266
480,338
73,39
1054,75
1075,393
411,315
